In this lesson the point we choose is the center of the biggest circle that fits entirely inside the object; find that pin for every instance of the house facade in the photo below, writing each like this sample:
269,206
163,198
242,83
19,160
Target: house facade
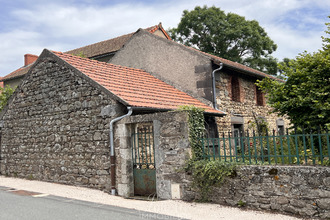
191,71
56,125
61,123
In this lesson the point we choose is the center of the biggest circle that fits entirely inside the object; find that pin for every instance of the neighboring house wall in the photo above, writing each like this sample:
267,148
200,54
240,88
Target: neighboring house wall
13,83
239,97
57,128
173,63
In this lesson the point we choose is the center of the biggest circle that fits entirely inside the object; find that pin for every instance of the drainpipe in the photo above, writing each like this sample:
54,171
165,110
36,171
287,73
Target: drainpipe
112,151
213,87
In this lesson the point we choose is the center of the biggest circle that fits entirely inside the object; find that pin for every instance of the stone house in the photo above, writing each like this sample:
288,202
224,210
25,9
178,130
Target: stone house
191,71
232,89
230,86
56,125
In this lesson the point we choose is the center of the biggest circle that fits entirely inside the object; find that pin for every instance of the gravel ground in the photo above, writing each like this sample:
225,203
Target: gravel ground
168,207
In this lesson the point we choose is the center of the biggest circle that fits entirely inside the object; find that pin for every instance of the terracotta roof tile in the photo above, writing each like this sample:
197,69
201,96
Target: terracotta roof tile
111,45
134,86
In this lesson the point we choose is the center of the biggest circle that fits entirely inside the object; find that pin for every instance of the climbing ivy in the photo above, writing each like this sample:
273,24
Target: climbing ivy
207,174
5,94
196,129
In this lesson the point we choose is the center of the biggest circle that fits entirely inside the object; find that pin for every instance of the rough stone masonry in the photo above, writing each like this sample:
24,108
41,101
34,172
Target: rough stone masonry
56,128
301,190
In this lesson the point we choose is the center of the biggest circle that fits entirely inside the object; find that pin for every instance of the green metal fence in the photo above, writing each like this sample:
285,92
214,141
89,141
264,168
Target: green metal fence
298,148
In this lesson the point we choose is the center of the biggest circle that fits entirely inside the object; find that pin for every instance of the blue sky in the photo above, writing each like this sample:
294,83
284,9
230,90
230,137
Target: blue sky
29,26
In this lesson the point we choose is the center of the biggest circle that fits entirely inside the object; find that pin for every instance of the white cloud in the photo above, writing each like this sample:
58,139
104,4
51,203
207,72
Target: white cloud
63,26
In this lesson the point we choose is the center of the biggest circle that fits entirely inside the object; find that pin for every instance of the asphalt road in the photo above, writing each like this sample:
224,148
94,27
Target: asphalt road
25,205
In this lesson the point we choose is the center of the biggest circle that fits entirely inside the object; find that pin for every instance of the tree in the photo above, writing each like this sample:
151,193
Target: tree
229,36
285,62
5,94
304,97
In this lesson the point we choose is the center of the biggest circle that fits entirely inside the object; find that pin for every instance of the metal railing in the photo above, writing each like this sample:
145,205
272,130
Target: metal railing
143,154
297,148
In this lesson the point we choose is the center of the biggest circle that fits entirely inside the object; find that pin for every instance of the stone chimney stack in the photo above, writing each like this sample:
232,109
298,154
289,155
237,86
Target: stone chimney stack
29,58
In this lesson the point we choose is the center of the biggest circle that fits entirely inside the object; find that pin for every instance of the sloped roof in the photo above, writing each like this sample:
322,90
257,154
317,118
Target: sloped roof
236,65
111,45
17,73
134,86
229,63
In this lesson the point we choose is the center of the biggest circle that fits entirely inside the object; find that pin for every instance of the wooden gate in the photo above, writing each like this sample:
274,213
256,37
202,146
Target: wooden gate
143,154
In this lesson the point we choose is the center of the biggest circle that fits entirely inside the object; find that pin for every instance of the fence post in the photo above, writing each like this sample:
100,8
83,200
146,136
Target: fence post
328,144
267,141
282,153
297,147
249,147
312,144
224,145
320,143
242,145
261,148
255,147
230,146
304,143
275,146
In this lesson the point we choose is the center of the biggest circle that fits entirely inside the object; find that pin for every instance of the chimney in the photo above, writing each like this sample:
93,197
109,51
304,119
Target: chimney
29,58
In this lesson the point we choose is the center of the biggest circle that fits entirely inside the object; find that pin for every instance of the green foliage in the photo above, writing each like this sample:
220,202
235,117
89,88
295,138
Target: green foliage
30,177
207,174
196,129
229,36
240,203
5,94
80,54
326,40
305,96
281,73
259,124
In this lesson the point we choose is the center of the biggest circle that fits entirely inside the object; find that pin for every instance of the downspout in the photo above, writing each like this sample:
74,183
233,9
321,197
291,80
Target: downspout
112,151
213,87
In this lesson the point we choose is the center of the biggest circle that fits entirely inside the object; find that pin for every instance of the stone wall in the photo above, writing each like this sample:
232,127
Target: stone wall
56,128
300,190
243,111
172,149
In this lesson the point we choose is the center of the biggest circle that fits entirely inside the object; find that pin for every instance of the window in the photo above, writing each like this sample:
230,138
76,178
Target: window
235,89
259,97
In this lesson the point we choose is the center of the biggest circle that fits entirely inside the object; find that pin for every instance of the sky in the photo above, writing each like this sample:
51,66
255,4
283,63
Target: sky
29,26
